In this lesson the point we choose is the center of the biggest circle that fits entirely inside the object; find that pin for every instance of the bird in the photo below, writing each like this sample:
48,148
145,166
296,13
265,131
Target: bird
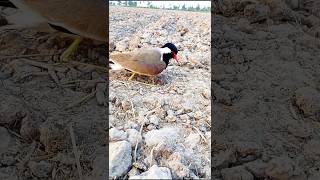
148,62
80,18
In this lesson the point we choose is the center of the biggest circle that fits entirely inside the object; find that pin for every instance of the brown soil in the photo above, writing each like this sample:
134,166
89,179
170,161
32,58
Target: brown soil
266,89
39,101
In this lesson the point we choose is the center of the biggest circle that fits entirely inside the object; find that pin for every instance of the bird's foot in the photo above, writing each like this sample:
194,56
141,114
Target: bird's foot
65,56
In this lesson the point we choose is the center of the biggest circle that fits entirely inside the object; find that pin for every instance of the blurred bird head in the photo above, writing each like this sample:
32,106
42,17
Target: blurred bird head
174,50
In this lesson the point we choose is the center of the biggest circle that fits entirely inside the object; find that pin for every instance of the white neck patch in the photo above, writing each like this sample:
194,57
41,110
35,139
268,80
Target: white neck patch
165,50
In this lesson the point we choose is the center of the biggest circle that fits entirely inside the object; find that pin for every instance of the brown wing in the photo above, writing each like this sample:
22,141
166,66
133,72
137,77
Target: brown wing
146,62
82,17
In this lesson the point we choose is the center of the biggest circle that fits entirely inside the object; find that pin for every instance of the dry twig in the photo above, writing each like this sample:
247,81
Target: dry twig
75,151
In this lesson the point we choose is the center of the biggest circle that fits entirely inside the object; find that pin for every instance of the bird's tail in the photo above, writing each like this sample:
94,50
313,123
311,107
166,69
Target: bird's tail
114,66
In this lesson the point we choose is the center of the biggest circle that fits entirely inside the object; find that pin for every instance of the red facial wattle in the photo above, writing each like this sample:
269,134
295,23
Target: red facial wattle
175,56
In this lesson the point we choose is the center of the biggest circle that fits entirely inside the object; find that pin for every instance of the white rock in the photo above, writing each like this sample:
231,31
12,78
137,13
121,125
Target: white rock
154,172
154,120
134,136
119,158
164,135
121,46
193,140
117,135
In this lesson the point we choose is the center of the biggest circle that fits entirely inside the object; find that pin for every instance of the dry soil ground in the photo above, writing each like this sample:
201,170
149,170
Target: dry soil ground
266,89
39,100
174,116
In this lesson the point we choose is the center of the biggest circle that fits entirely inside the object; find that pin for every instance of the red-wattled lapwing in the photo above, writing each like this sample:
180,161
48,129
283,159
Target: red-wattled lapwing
83,18
148,62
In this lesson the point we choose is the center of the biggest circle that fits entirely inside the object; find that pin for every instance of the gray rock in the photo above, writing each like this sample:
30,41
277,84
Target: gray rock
119,158
153,119
164,135
117,135
308,100
134,136
284,168
154,172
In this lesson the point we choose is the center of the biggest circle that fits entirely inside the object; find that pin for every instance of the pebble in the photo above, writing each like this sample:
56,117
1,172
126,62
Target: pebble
125,105
282,167
164,135
154,120
193,140
134,136
308,100
171,118
154,172
224,158
117,135
184,118
119,158
257,168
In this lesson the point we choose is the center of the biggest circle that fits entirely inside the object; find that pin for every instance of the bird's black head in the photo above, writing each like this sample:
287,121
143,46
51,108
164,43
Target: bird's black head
173,54
172,47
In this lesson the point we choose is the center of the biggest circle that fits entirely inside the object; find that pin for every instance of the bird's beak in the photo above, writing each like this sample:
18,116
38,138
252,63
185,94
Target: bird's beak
175,57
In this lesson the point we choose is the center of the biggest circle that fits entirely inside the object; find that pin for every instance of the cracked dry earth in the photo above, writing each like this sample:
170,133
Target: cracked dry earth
161,131
266,90
39,99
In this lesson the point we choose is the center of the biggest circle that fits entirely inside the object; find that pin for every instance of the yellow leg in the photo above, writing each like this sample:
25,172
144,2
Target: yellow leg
65,56
131,77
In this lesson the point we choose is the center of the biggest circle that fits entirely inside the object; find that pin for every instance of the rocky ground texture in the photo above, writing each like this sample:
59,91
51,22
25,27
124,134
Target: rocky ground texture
53,115
266,90
161,131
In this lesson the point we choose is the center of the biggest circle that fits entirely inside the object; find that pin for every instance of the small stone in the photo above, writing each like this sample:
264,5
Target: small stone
131,125
154,120
119,158
223,159
206,93
117,135
151,127
171,118
193,140
282,168
308,100
198,115
164,135
257,168
154,172
134,136
121,46
125,105
300,130
245,26
236,173
40,169
184,118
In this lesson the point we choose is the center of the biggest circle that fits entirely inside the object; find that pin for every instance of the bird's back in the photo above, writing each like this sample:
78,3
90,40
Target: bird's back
146,62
